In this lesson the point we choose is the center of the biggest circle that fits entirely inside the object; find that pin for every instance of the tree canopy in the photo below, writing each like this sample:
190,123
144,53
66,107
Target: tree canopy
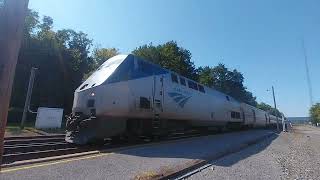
62,58
270,109
315,113
227,81
169,55
100,55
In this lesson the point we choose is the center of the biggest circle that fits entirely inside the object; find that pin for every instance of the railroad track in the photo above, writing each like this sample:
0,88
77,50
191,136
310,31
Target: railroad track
33,147
29,148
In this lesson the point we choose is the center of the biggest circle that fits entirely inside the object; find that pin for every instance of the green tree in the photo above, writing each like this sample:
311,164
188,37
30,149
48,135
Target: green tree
264,106
170,56
100,55
62,58
270,109
205,76
315,113
226,81
31,23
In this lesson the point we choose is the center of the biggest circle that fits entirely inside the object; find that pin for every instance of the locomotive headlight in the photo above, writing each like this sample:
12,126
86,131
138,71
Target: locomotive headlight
92,94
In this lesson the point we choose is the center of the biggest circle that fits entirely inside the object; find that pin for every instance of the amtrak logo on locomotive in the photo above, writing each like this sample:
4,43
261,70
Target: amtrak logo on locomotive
180,98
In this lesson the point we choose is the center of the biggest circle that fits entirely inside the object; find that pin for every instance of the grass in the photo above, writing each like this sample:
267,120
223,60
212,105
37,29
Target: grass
54,131
13,129
146,175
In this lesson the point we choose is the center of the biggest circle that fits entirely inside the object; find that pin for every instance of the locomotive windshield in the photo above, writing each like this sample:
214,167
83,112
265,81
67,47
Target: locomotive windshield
133,68
103,72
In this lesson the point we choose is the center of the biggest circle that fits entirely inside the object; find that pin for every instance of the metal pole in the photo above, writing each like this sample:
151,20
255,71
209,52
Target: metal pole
28,98
283,123
308,73
12,17
275,107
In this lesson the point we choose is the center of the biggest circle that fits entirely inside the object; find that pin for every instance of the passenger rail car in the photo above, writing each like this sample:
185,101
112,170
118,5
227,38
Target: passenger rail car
128,96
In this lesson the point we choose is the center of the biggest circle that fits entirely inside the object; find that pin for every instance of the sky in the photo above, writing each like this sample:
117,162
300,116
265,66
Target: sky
261,39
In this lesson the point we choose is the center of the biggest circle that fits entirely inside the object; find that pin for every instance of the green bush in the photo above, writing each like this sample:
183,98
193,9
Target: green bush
15,116
315,113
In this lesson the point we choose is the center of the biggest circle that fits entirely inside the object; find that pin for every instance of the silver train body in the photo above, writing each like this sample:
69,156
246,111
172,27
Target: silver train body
129,96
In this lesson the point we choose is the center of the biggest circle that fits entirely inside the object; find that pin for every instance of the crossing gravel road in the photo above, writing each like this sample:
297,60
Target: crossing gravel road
292,155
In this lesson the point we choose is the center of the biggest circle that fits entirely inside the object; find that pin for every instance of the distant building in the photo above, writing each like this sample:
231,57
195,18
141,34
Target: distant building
299,120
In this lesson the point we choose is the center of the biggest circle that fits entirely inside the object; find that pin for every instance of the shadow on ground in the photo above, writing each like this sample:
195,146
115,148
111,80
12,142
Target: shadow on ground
207,148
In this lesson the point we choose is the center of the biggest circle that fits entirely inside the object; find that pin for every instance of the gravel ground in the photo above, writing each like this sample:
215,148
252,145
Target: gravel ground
140,163
293,155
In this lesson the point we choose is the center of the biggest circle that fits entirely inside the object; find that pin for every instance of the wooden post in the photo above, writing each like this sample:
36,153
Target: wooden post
12,16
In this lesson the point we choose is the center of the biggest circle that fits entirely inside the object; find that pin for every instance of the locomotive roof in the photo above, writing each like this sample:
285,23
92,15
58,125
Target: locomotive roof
102,73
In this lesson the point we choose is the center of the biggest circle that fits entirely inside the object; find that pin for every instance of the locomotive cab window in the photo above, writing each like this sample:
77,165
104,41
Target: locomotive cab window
182,81
235,115
134,68
174,78
238,115
201,89
192,85
144,103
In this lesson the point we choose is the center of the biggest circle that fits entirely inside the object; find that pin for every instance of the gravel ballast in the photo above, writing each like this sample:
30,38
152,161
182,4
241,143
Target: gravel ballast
293,155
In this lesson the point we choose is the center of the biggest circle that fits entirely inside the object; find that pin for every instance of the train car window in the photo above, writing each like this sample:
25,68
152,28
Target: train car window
144,103
182,81
238,115
174,78
233,114
192,85
227,97
201,89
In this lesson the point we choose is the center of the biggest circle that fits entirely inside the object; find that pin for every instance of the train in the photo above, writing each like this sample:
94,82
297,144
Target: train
128,96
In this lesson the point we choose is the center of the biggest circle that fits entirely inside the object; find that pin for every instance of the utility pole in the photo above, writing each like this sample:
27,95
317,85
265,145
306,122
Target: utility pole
28,97
275,107
12,15
308,73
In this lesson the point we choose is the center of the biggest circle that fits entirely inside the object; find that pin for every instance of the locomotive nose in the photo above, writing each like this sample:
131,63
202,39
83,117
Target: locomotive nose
85,102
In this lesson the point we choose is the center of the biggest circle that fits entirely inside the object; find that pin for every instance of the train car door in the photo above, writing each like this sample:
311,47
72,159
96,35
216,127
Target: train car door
243,116
254,117
266,119
157,101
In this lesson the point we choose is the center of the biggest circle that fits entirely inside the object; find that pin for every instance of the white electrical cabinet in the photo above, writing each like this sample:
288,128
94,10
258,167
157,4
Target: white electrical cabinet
49,118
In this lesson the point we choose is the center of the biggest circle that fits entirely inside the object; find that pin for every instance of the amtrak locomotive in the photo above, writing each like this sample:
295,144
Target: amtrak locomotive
128,96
